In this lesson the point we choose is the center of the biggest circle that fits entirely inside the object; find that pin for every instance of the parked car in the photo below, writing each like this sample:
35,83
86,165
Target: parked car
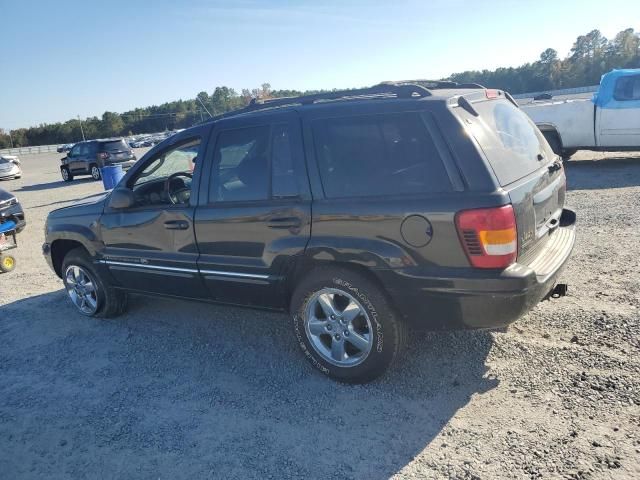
11,210
9,167
362,213
610,121
87,158
65,148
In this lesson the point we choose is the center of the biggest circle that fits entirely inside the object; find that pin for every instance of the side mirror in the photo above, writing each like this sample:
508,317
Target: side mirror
121,198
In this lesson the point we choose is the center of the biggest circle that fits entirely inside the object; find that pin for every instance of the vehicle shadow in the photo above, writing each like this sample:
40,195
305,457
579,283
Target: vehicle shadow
51,185
188,389
612,172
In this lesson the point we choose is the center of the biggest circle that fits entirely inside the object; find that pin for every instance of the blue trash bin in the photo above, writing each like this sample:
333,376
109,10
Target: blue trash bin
111,175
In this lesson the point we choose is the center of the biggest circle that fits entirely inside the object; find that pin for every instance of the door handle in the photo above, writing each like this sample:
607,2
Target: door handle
284,222
176,225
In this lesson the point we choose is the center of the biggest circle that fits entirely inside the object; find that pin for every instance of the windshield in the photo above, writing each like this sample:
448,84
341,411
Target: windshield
510,140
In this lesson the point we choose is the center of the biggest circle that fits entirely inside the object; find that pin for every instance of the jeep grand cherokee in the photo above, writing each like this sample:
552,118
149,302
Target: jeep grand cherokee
360,212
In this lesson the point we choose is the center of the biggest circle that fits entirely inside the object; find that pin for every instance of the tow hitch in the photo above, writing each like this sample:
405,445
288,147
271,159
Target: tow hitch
560,290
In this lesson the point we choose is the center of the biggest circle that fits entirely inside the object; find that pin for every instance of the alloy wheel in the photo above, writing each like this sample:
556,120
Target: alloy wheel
81,289
338,327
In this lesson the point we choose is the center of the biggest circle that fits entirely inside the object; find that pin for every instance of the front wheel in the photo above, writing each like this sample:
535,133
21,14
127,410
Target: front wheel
345,325
95,172
89,292
66,174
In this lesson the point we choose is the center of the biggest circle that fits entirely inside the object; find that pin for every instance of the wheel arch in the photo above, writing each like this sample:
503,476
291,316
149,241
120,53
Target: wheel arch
59,250
550,129
305,268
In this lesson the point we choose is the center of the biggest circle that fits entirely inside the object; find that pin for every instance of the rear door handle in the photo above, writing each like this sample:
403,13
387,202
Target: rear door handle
284,222
176,225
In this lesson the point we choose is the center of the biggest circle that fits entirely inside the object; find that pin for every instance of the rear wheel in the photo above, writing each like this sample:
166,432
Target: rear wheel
95,172
67,176
345,325
89,292
566,154
554,141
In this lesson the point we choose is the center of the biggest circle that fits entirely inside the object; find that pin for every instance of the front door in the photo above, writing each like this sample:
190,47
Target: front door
255,221
151,246
76,158
619,118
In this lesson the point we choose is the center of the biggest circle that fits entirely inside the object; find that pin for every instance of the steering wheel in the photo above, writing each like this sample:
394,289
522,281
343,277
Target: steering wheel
176,197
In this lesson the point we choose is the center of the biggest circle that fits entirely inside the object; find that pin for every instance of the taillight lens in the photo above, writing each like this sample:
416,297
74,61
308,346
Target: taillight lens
491,93
489,236
103,155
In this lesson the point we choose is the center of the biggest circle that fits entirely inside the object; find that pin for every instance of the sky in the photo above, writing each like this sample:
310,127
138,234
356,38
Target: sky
60,59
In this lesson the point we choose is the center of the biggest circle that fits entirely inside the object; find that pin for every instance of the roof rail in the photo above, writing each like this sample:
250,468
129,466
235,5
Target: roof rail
381,90
436,84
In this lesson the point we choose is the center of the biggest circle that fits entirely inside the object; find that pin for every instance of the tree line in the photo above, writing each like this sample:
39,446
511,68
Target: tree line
591,56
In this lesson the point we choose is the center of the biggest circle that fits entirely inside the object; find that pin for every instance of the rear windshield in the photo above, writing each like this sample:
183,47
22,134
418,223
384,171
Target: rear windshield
114,146
509,139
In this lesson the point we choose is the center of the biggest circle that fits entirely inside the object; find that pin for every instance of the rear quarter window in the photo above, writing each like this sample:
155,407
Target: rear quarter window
391,154
509,139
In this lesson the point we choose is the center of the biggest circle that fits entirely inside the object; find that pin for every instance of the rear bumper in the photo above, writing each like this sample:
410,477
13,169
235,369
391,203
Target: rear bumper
472,298
125,165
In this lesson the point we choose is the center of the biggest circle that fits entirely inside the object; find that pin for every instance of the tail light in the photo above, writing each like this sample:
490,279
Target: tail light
103,155
489,236
491,93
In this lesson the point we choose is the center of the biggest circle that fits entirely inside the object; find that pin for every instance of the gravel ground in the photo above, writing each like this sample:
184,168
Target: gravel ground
189,390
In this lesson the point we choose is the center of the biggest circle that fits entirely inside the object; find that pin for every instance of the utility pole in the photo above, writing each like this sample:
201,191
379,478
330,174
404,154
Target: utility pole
205,108
81,130
10,138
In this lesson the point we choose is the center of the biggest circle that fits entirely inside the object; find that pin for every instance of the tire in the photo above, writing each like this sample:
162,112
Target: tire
377,323
7,263
94,170
109,302
67,176
566,154
554,141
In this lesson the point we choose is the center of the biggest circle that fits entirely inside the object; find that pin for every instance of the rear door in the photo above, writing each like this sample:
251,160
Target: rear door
255,220
524,166
618,121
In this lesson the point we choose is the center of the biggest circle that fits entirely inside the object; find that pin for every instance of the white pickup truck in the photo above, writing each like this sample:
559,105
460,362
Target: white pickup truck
610,121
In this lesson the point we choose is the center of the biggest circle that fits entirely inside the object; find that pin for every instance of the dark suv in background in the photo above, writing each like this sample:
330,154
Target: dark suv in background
87,158
360,212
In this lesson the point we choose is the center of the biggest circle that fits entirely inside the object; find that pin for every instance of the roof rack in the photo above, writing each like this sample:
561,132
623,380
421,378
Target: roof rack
436,84
382,90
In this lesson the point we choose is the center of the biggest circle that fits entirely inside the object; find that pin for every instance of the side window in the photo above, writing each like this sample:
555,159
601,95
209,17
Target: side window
84,149
150,184
627,88
75,151
241,165
378,155
284,182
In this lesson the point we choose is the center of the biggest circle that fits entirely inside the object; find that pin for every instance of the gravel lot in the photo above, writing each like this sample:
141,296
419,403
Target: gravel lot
190,390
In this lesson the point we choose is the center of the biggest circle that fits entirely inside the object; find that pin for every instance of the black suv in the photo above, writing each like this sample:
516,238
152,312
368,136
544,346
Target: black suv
87,158
360,212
